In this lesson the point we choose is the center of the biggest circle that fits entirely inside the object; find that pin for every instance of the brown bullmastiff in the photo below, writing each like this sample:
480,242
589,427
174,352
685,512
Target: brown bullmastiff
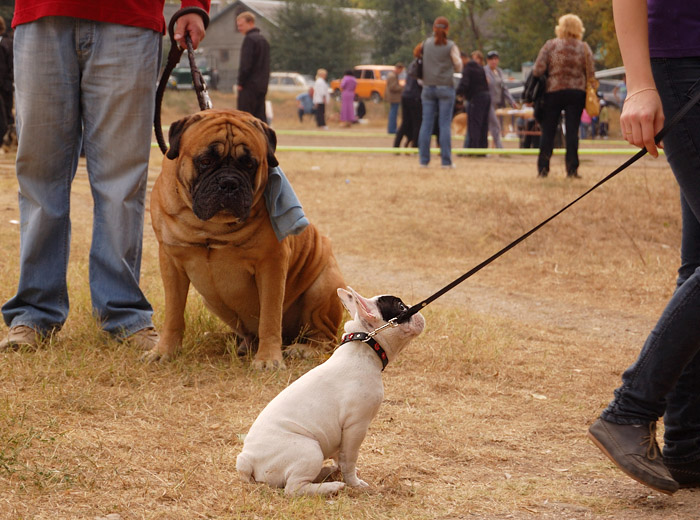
213,231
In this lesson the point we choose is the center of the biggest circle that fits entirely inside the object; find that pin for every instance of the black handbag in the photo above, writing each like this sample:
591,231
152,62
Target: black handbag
533,92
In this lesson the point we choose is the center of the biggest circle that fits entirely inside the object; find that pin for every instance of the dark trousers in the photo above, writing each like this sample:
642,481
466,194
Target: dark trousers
252,102
571,102
478,121
411,115
320,113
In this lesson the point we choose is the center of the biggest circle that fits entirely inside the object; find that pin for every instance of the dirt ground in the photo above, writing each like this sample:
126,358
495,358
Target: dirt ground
485,414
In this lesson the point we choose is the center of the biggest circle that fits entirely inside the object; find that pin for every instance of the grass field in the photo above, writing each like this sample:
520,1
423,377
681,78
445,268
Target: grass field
485,414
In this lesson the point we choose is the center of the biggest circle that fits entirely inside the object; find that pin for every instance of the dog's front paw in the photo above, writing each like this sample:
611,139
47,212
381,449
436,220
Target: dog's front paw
299,351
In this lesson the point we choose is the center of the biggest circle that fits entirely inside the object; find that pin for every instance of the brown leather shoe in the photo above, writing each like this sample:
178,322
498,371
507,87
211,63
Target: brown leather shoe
633,449
687,475
18,337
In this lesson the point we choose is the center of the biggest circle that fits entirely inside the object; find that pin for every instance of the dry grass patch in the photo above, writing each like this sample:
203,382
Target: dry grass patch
485,414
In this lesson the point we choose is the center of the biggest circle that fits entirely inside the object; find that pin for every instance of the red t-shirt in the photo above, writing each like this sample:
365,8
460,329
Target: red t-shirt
136,13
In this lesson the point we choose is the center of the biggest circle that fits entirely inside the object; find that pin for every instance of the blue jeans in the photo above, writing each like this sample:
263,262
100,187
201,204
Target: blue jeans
393,116
665,379
438,100
83,83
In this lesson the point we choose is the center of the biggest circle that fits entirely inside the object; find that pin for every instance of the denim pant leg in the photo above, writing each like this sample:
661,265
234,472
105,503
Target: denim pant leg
120,69
393,116
495,128
49,129
666,376
430,109
446,104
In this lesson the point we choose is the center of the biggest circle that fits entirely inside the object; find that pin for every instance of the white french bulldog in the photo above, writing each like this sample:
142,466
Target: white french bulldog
326,412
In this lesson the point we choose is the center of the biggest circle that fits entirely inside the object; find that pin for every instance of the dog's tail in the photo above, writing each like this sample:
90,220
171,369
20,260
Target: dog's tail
245,468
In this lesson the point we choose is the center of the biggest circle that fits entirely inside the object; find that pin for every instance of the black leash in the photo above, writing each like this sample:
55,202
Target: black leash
404,316
173,59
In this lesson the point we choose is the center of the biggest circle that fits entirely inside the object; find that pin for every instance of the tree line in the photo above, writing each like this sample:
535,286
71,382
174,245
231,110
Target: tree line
324,34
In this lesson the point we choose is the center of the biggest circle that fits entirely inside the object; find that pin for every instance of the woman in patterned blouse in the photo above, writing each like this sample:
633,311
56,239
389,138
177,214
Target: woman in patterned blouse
568,63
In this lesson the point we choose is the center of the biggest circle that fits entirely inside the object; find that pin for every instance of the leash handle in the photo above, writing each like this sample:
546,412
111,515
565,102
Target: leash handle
173,59
200,86
403,317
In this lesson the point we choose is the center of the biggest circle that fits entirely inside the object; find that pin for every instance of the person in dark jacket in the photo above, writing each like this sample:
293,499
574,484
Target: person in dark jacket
254,67
410,113
6,79
475,89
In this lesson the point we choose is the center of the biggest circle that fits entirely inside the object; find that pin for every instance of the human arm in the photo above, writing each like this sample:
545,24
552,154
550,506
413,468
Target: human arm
642,114
456,59
192,23
540,67
463,85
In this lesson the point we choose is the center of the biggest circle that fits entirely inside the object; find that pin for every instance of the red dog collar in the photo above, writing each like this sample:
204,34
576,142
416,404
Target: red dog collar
366,338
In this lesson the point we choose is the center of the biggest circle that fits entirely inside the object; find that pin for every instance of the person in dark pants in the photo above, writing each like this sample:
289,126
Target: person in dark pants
663,67
568,63
254,67
410,113
475,89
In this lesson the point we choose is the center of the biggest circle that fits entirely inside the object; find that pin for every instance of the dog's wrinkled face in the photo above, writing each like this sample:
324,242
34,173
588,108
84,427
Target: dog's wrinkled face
224,158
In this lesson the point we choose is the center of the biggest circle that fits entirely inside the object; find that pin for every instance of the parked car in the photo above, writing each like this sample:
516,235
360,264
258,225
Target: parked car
181,76
371,82
289,82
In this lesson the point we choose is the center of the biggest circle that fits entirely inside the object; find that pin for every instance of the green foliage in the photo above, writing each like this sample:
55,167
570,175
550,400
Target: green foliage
522,26
398,26
313,36
7,10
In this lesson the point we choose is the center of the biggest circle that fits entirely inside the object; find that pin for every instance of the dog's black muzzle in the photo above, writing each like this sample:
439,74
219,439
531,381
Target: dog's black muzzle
227,190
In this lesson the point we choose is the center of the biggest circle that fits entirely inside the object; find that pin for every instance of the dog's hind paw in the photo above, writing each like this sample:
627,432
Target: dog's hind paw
153,356
269,364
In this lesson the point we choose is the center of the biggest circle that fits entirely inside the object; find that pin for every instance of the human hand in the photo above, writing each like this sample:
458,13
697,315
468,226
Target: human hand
190,23
642,118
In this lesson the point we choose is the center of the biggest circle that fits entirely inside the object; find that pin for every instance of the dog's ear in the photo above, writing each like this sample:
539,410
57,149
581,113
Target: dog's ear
271,138
347,300
366,310
175,133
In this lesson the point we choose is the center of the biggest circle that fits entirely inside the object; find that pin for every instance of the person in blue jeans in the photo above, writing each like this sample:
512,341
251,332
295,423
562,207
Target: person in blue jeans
660,46
441,60
85,77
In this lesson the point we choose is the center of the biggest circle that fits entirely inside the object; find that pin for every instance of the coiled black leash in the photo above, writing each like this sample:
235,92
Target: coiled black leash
404,316
174,56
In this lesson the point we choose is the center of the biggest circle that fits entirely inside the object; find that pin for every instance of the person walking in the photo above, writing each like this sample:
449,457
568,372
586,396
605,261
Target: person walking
253,68
321,98
660,46
475,89
440,61
85,76
568,64
393,96
500,95
348,84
